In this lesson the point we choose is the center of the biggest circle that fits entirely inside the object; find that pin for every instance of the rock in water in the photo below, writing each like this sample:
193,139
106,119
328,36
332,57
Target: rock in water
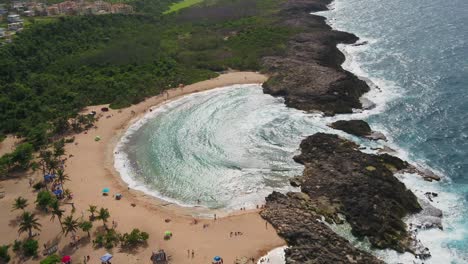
354,127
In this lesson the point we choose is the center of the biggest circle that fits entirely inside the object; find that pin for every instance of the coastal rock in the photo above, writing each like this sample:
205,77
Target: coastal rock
309,76
308,238
358,128
361,186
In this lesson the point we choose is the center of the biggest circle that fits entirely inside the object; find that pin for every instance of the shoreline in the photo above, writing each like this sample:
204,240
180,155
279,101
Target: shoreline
90,168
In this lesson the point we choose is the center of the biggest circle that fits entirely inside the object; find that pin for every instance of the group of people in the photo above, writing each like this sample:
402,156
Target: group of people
190,253
235,234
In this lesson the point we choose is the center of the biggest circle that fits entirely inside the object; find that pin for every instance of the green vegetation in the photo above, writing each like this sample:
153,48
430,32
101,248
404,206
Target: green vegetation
4,256
70,225
20,203
133,239
180,5
86,226
52,259
107,240
30,248
28,223
44,200
54,68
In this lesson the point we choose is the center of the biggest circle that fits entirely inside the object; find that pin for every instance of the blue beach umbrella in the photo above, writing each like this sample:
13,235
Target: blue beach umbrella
106,257
217,258
58,192
106,190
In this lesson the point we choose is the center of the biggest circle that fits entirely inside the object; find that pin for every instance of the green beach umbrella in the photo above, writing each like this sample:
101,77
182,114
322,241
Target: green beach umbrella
168,233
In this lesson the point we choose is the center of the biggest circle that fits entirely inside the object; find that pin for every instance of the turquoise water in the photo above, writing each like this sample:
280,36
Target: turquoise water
417,53
225,148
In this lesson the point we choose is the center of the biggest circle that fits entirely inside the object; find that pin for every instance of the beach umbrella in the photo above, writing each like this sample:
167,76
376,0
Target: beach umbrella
106,190
66,259
58,192
168,233
97,138
106,257
217,258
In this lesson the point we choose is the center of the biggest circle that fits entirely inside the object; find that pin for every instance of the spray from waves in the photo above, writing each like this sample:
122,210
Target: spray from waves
383,92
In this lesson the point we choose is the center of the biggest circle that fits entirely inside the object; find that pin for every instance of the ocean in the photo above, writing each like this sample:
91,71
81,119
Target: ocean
228,148
417,55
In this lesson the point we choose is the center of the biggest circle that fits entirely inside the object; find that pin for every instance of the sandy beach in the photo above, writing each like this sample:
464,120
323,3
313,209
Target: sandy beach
90,167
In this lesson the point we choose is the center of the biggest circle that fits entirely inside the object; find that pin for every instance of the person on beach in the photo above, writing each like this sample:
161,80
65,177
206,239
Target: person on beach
193,253
215,217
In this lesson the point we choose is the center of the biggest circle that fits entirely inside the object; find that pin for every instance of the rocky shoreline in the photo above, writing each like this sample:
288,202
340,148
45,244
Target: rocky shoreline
309,76
339,183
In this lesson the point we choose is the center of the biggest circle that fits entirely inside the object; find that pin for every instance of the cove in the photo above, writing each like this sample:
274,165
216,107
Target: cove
225,148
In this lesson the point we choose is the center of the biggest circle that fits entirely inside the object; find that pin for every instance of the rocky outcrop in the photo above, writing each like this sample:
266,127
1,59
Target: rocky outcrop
309,76
358,128
339,180
297,219
371,198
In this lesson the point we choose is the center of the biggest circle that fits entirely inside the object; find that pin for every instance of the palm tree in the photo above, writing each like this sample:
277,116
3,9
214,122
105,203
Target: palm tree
20,203
70,225
103,215
86,226
28,223
56,212
92,209
61,176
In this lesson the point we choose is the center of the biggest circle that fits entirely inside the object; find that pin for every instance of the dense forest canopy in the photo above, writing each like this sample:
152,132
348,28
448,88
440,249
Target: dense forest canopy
51,71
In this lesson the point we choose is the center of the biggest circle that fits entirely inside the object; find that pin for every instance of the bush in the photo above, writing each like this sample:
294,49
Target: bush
30,247
38,186
4,256
16,245
133,239
52,259
108,240
45,199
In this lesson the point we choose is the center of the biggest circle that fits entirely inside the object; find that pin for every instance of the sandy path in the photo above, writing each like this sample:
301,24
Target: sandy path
91,169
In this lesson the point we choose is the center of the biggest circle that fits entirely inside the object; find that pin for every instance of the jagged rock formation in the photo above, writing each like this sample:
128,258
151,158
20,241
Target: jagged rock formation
338,179
309,76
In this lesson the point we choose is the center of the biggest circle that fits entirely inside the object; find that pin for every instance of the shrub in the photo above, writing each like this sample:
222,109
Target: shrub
38,186
4,256
45,199
30,247
108,240
133,239
16,245
52,259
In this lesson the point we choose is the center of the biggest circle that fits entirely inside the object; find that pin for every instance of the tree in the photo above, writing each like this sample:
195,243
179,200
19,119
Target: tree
108,240
4,256
22,155
20,203
44,200
61,176
92,209
86,226
56,212
30,247
103,215
28,223
70,225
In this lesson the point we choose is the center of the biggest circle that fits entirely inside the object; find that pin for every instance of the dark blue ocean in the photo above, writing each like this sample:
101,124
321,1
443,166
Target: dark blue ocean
417,55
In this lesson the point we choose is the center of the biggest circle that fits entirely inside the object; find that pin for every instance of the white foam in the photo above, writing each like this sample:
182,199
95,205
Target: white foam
121,159
275,256
382,92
